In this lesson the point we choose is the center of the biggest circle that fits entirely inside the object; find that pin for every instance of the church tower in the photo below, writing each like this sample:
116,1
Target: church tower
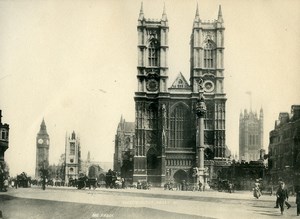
73,154
207,64
165,117
251,135
152,92
42,150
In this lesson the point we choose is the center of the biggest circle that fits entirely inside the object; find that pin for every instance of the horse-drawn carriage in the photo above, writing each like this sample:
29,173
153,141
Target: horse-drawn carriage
84,182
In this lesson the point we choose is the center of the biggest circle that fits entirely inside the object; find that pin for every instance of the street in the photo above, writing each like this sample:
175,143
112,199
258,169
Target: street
62,202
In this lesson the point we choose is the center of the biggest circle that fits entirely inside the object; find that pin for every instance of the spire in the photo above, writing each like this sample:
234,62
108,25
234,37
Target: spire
43,125
197,17
220,17
141,16
73,135
43,129
164,15
88,156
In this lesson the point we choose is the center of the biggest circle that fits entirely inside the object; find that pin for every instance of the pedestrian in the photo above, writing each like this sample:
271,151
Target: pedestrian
256,189
123,183
298,202
281,184
200,186
230,186
282,196
5,183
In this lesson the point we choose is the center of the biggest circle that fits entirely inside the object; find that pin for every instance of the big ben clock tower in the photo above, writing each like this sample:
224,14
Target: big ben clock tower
42,149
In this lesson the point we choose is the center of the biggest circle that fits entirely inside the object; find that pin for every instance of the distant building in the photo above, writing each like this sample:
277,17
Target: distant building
124,144
73,155
243,174
4,133
42,150
284,148
92,168
251,135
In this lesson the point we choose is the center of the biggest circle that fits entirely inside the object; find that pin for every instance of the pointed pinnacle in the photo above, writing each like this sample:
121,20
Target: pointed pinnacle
197,17
141,15
43,122
141,10
220,17
197,10
164,15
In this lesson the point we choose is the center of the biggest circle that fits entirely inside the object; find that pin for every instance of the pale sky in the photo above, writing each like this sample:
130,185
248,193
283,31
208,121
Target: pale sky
73,63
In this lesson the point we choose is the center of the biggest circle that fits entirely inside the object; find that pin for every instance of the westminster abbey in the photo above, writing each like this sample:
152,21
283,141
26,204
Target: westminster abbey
165,134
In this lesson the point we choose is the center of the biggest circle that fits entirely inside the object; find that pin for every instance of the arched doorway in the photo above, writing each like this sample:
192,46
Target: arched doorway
180,175
153,164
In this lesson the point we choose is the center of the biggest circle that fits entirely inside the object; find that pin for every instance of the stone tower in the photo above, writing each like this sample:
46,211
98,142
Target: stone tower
152,77
207,64
73,154
42,150
251,135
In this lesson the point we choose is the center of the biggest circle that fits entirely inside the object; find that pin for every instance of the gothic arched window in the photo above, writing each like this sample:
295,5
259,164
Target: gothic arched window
153,53
209,54
180,130
152,116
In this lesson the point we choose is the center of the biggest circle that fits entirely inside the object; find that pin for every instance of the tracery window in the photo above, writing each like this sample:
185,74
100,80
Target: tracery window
180,130
209,54
153,53
152,116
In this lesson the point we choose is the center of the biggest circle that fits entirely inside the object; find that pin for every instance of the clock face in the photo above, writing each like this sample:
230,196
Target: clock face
209,86
152,85
40,141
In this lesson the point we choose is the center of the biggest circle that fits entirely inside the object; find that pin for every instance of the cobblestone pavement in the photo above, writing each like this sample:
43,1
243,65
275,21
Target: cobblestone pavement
62,202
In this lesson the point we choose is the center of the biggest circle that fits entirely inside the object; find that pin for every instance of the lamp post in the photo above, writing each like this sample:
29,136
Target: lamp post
200,111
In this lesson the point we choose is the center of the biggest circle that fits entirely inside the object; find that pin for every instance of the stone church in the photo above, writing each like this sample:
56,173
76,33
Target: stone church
166,121
73,155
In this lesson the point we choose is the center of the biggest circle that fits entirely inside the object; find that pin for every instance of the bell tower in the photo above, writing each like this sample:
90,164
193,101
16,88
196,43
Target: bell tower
152,54
152,91
206,64
42,149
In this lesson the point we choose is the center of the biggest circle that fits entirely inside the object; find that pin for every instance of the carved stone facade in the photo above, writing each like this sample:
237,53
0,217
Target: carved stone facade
251,135
4,133
166,120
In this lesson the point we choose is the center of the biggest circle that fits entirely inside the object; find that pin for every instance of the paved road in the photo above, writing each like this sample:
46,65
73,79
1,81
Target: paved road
131,203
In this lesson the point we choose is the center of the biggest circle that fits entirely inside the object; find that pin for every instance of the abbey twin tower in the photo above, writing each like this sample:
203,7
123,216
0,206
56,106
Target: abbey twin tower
165,135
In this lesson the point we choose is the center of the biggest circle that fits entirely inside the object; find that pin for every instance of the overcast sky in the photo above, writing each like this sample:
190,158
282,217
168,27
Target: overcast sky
73,63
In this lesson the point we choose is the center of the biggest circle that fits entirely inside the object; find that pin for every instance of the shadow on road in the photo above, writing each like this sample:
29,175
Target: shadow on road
20,208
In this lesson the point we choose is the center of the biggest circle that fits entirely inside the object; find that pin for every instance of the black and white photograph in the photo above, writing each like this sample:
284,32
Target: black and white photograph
149,109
